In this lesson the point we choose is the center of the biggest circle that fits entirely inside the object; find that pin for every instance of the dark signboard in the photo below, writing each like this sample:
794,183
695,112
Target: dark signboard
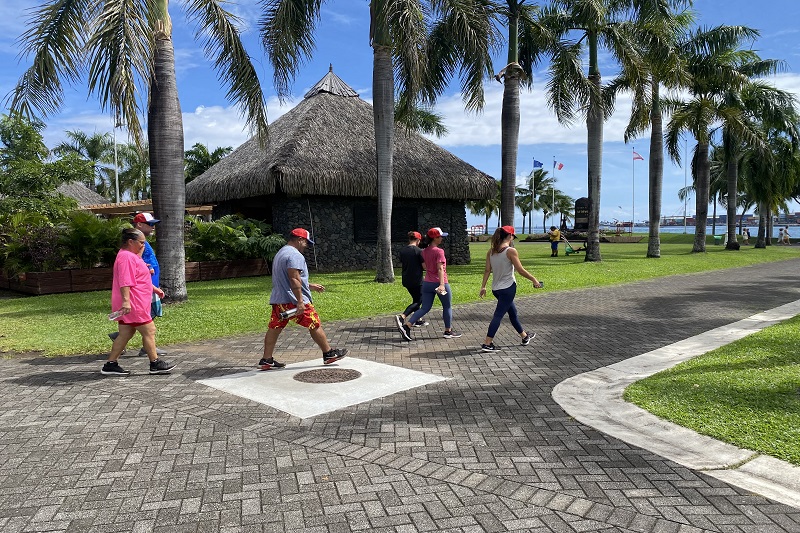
582,214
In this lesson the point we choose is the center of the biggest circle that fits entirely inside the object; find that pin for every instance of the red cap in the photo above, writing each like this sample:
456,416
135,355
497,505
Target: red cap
417,235
509,230
436,232
147,218
300,232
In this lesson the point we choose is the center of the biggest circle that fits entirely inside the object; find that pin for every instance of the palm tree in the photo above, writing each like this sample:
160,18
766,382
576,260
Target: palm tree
134,178
582,27
757,103
527,41
539,187
198,159
487,208
457,39
97,149
658,34
713,58
124,45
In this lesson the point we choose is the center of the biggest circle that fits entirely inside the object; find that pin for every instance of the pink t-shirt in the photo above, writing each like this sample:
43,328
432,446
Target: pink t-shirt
131,271
433,255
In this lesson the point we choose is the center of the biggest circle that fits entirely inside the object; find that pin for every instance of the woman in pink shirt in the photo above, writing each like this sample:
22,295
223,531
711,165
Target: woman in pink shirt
131,293
434,284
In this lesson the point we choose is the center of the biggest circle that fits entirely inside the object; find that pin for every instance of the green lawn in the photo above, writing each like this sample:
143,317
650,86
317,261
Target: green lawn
747,393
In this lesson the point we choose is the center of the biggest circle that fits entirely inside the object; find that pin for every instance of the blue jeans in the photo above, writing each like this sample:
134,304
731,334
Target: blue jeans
428,293
505,305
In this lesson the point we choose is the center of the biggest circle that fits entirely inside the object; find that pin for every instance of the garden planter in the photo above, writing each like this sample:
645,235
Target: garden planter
99,279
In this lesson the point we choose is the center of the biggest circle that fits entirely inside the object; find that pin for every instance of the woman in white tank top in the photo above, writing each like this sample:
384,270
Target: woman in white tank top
502,261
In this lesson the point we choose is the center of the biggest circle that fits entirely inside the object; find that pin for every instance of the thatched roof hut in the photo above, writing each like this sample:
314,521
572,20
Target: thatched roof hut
318,171
326,146
81,193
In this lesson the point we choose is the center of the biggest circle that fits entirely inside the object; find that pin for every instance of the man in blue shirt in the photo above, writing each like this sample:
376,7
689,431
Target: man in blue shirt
145,223
291,300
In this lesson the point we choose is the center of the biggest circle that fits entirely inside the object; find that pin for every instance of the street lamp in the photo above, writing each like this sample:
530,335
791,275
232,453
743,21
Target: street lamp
117,124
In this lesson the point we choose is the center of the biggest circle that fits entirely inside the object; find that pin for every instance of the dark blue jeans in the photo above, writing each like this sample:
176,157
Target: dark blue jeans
428,293
505,305
416,299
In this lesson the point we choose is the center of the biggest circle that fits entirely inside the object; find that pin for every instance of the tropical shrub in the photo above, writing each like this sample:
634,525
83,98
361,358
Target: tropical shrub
29,242
230,237
88,241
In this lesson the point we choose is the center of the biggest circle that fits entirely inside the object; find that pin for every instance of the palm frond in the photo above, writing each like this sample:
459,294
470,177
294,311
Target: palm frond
222,43
287,32
56,40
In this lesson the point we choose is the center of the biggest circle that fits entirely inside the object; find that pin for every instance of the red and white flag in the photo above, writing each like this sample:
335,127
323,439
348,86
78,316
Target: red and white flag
637,156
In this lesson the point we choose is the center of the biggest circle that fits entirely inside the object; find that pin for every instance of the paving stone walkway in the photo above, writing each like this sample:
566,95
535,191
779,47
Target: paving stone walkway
486,450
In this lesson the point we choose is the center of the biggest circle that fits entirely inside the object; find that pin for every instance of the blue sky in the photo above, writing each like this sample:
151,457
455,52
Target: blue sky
343,41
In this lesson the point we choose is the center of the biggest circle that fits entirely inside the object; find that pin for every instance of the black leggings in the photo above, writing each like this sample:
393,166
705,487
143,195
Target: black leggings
416,296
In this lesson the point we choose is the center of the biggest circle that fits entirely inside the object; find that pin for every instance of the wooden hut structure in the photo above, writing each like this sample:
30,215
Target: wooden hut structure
318,171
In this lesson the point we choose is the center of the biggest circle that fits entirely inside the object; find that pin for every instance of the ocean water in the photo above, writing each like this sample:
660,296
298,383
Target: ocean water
794,231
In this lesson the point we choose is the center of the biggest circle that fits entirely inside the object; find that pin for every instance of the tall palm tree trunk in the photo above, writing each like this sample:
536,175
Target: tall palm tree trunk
702,186
733,178
509,143
165,137
656,172
763,213
594,128
383,113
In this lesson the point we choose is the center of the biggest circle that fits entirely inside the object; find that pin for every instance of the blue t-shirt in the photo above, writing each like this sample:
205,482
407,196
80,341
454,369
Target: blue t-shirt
149,257
286,258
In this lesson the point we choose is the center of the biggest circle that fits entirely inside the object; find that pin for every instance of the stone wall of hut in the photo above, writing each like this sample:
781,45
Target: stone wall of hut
336,235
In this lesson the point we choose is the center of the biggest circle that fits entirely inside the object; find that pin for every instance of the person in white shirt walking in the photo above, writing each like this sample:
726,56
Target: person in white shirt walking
502,260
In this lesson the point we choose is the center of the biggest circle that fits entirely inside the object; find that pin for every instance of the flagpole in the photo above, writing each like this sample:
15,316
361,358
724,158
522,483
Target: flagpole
633,188
553,189
530,213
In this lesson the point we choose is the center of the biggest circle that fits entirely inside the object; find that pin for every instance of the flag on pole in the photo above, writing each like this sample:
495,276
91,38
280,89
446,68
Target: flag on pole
537,164
637,156
560,166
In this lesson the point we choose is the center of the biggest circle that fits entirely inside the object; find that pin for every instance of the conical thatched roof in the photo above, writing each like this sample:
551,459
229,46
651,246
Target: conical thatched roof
81,193
326,146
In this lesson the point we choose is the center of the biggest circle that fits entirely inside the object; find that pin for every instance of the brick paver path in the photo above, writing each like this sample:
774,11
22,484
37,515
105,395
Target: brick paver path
488,450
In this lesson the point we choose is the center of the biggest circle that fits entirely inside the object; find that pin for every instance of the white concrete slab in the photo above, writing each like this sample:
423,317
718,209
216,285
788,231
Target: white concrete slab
279,389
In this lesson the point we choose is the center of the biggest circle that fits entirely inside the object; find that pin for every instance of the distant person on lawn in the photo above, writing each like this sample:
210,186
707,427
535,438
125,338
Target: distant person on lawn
132,293
145,223
555,236
292,291
411,259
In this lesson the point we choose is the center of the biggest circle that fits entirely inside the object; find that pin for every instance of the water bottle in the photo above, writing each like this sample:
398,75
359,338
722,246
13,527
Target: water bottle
115,315
288,313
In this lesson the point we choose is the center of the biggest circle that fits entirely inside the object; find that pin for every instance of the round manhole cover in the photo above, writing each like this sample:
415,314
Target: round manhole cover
327,375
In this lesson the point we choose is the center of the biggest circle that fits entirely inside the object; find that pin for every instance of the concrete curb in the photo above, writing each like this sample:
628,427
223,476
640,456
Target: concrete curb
595,399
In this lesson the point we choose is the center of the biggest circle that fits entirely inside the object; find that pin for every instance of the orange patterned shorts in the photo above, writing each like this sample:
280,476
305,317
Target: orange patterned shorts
309,319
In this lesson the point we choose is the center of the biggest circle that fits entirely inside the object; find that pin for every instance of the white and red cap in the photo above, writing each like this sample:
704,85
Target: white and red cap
146,218
436,232
303,233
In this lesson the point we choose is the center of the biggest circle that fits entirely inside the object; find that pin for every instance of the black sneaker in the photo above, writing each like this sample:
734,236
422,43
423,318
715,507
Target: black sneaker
159,352
452,334
334,355
113,335
421,323
405,331
112,368
526,340
159,366
489,347
270,364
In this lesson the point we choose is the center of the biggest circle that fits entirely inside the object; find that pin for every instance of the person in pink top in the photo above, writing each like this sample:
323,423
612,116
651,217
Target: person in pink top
434,284
131,294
